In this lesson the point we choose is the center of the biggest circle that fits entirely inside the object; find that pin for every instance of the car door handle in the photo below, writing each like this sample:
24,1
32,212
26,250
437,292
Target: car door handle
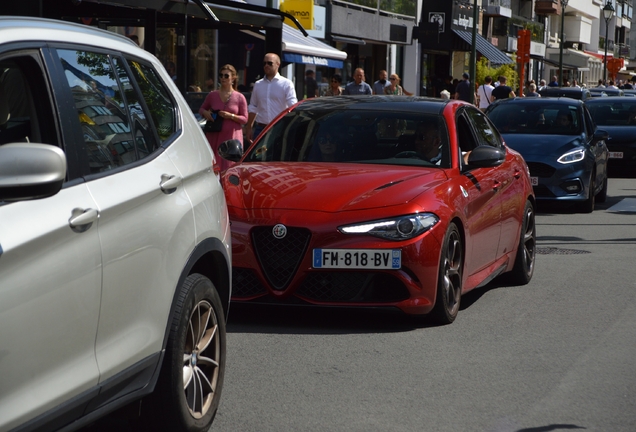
496,186
82,219
169,183
517,174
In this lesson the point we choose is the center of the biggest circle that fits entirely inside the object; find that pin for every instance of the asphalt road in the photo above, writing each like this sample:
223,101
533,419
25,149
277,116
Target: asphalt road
557,354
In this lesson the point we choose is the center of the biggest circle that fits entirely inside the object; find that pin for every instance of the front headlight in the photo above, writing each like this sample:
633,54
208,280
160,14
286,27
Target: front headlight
573,156
399,228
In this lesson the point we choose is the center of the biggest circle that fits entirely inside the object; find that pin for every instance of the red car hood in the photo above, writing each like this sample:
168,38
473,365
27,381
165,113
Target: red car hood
325,187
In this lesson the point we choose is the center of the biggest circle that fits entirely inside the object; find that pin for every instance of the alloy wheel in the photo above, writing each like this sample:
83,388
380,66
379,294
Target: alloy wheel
201,358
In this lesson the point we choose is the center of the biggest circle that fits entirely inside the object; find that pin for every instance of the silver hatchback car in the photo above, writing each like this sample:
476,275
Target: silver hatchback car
115,259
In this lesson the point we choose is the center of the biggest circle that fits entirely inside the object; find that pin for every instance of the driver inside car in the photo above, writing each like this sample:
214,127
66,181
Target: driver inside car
428,144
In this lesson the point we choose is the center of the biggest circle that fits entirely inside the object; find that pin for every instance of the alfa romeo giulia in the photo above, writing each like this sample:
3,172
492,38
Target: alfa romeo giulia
377,201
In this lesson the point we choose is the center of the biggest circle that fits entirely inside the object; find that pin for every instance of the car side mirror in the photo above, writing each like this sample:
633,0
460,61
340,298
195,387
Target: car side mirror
231,150
486,156
30,171
600,135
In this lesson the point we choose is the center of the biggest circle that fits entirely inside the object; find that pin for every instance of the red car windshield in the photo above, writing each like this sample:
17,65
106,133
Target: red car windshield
391,138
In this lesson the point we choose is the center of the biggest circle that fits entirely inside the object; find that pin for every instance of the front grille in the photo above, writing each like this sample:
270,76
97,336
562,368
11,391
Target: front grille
280,258
361,287
245,283
538,169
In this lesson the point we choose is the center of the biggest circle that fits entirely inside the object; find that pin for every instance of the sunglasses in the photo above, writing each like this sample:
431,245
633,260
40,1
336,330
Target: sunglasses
268,63
225,75
392,79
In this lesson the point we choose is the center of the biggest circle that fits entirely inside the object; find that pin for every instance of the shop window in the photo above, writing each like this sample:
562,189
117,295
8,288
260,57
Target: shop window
203,69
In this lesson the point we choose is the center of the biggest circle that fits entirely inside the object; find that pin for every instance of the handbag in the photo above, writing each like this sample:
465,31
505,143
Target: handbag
216,125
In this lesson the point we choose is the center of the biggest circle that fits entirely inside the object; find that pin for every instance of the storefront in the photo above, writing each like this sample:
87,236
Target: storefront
301,53
374,37
445,35
193,37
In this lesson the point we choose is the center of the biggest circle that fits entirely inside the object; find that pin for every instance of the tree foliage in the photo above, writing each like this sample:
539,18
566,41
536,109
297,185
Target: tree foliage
484,69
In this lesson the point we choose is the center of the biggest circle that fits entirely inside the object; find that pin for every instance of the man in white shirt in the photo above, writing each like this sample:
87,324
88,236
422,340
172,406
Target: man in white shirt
484,92
271,95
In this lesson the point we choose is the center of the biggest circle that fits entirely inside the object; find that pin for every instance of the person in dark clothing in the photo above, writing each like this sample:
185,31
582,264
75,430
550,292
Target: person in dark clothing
310,84
448,85
502,91
462,91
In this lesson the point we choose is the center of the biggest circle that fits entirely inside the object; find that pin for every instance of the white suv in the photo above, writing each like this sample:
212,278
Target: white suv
115,260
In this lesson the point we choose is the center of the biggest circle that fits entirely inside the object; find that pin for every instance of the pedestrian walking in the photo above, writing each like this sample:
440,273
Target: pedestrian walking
271,95
228,107
463,89
484,92
358,86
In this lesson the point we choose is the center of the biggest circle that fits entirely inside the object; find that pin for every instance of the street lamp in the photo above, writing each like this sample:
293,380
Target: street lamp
564,4
608,13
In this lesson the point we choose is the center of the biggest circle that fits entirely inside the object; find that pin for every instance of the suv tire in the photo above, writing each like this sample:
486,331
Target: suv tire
194,364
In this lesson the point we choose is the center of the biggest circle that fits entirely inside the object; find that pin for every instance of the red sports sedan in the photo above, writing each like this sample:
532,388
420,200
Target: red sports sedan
378,201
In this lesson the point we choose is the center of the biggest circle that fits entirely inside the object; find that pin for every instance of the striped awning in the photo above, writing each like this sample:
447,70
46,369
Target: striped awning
485,48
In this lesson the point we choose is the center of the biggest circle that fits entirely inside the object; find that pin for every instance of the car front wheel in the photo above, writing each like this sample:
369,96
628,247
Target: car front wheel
602,195
526,251
587,206
449,285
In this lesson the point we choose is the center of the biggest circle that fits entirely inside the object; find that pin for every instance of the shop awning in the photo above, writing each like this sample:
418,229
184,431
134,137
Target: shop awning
298,48
600,56
556,63
485,48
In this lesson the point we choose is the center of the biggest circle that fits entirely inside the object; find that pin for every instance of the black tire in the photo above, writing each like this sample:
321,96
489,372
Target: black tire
523,269
588,205
602,195
449,283
194,364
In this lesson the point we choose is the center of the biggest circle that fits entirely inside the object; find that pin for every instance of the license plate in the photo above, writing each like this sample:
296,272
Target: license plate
534,181
358,258
616,155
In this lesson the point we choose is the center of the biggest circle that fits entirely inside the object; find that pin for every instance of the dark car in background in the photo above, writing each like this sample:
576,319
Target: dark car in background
617,115
629,92
569,92
557,137
604,92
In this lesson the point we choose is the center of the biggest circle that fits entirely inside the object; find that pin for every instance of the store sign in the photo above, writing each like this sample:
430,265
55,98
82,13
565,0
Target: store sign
464,22
462,16
312,60
438,18
302,10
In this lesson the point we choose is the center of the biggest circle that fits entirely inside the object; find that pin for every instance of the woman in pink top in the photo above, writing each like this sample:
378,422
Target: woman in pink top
232,107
